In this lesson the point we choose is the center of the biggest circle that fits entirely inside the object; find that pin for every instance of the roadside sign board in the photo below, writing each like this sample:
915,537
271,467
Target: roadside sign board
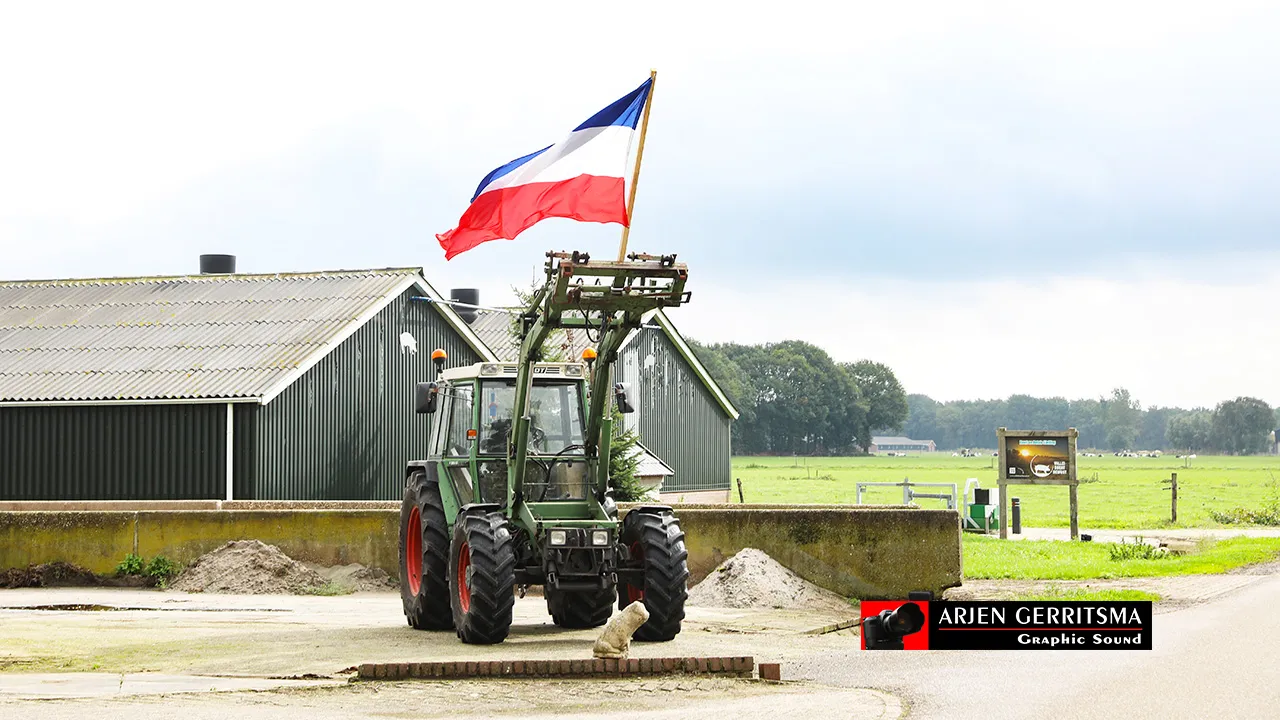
1037,457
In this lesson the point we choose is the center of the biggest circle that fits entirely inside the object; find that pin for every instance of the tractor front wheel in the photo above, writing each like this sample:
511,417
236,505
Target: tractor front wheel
656,544
583,609
482,578
424,556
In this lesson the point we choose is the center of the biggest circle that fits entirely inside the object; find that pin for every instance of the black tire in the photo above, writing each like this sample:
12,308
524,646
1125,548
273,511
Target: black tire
482,578
656,544
426,606
583,609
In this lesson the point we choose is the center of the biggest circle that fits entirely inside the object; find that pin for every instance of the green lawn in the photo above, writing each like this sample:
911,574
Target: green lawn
1115,492
986,558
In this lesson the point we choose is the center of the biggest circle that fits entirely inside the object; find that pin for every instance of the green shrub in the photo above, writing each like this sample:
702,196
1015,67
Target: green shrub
1267,515
1135,551
161,569
623,461
130,565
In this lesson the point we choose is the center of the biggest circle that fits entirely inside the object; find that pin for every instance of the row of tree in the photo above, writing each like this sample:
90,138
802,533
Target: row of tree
1117,422
794,399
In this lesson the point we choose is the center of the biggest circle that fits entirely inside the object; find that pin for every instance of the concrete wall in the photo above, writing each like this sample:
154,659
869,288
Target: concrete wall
866,552
97,541
862,552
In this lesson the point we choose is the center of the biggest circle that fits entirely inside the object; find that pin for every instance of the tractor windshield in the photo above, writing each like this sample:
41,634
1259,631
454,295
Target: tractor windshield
554,408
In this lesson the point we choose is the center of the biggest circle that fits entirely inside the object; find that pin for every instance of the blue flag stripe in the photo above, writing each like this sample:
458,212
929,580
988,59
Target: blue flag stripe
624,111
504,169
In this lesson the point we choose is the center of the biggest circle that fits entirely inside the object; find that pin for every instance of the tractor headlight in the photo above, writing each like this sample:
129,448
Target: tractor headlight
488,369
599,537
573,370
558,537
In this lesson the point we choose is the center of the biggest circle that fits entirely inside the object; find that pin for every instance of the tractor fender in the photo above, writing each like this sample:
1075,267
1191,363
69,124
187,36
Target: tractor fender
635,513
653,509
479,508
426,466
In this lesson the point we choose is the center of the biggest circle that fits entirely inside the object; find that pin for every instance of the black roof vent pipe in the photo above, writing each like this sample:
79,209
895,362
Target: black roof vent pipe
466,296
217,264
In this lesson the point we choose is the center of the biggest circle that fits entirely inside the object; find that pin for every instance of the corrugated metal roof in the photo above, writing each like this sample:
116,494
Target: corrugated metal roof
200,336
650,464
494,329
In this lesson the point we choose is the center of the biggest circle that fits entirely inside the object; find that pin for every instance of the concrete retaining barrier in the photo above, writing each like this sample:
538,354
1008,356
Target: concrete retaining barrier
865,551
861,552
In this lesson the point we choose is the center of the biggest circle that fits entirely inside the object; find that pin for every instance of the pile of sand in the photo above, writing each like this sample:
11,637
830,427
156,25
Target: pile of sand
356,577
248,567
752,579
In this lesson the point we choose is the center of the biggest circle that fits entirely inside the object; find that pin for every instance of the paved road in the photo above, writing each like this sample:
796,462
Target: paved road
1220,659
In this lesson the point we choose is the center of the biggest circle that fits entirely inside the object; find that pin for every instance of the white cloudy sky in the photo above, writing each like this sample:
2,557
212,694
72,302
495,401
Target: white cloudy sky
1003,197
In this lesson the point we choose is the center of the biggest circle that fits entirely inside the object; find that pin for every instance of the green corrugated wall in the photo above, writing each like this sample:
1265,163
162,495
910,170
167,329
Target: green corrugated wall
346,428
688,429
113,452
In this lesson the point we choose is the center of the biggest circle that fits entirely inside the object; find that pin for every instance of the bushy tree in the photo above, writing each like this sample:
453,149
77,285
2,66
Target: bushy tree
1242,426
883,399
1190,431
623,462
922,418
1123,418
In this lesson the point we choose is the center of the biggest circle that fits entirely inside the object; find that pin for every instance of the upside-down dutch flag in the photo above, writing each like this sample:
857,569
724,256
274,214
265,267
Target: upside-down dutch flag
582,177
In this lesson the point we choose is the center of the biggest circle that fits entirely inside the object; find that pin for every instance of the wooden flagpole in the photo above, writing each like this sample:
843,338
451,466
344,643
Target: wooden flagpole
635,175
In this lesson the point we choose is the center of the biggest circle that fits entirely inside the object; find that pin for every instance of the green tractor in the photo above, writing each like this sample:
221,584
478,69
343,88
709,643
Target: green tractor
515,490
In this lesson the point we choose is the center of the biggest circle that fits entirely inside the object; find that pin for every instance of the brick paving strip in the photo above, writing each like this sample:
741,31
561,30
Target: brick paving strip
630,667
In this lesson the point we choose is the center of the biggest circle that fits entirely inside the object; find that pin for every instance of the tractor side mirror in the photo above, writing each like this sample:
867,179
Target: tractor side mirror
426,397
620,395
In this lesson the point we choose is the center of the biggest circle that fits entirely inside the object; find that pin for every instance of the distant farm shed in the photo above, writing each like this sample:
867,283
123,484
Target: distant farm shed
291,386
900,444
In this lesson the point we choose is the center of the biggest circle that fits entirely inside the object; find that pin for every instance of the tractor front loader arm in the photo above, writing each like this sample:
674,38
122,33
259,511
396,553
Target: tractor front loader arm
613,305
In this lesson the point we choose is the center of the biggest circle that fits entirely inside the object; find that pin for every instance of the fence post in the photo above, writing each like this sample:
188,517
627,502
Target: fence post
741,501
1172,482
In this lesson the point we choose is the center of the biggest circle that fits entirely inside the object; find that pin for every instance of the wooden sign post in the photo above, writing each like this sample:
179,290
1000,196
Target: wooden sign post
1037,457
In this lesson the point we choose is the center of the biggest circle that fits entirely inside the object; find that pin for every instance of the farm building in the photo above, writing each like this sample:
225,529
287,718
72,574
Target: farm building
682,415
291,386
295,386
881,444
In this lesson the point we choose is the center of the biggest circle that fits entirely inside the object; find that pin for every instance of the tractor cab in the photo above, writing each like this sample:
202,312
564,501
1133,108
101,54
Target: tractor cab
472,436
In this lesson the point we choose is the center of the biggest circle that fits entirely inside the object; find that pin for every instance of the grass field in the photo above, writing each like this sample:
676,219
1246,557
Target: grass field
991,558
1114,493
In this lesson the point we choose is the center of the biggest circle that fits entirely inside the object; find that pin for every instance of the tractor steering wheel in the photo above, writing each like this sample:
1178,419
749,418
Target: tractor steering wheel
536,436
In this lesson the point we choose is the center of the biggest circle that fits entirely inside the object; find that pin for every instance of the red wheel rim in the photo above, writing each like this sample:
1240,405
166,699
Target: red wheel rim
464,586
636,594
413,551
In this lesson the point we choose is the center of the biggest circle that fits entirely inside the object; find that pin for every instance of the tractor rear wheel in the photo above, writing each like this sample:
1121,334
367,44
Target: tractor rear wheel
582,609
424,556
482,578
656,545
